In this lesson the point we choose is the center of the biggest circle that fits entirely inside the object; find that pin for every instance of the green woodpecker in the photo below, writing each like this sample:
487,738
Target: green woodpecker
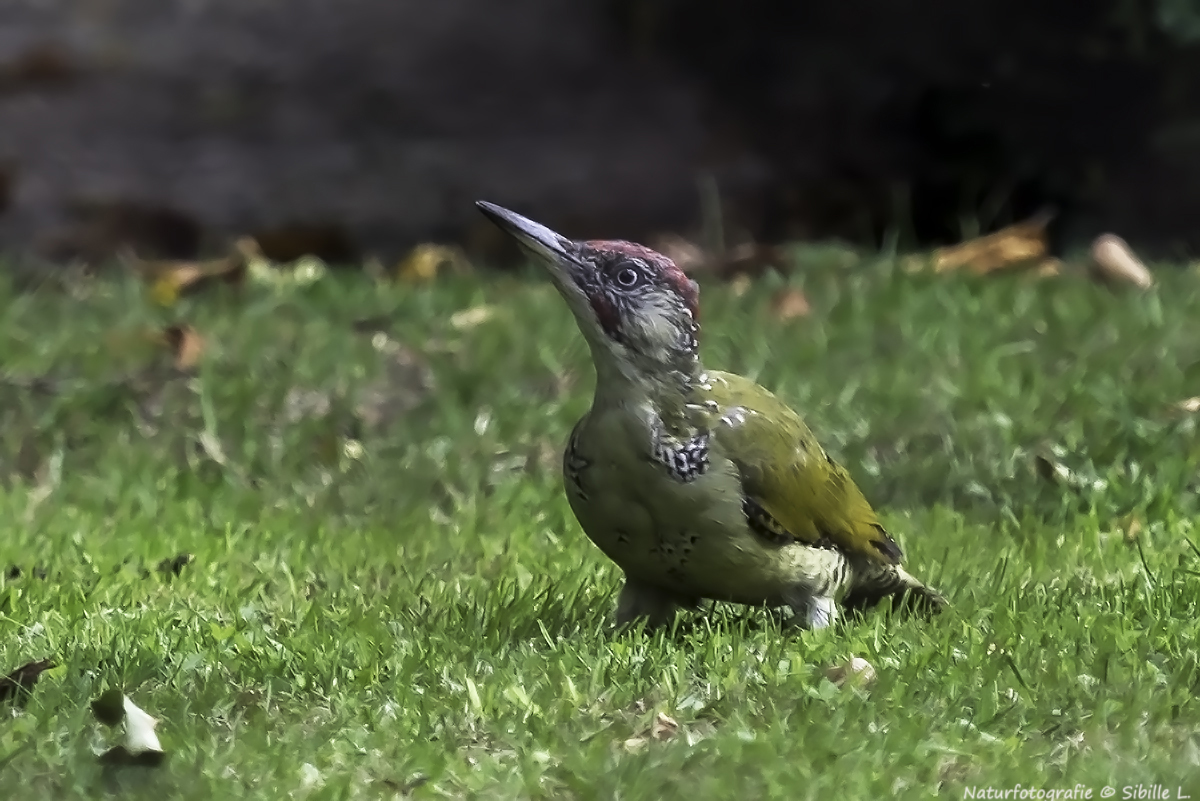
700,484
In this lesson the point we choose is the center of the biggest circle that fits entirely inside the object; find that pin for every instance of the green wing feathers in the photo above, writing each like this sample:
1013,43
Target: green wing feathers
787,474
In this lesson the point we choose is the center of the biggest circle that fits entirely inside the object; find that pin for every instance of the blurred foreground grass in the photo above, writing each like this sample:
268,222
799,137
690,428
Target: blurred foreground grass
388,593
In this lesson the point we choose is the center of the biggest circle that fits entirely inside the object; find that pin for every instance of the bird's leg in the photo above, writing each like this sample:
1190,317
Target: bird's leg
638,600
822,612
812,611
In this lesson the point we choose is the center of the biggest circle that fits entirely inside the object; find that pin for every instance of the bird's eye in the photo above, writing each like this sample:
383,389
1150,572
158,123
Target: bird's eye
628,277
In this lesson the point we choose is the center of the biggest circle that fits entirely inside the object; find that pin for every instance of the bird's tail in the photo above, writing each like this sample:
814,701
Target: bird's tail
873,582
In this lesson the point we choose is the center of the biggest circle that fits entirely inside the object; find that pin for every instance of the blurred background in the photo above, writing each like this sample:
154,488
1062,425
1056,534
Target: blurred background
351,128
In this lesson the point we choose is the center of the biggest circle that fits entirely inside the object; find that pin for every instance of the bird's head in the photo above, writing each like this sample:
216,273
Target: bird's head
637,310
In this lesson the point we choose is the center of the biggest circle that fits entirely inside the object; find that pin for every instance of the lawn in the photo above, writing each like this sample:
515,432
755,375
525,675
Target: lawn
387,593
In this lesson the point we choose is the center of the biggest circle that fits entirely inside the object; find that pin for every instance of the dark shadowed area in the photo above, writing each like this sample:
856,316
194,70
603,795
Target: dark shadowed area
365,126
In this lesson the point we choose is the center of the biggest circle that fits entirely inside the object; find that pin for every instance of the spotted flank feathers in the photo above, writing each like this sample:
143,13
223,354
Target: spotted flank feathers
686,461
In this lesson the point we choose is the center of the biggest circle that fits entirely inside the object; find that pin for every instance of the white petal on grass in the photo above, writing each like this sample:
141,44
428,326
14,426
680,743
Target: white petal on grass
855,671
141,746
140,736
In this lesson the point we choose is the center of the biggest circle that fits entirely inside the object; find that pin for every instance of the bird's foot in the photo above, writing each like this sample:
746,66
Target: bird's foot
822,613
814,612
640,601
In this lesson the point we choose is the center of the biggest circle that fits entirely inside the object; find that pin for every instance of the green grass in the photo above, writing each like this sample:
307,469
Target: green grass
425,615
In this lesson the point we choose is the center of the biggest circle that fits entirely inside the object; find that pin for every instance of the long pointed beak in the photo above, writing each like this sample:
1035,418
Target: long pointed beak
551,248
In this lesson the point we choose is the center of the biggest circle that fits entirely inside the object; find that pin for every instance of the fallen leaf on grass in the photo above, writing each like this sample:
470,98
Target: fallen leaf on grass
145,346
425,261
141,746
1050,268
22,679
1019,245
186,345
169,280
662,729
788,304
855,671
302,271
1114,261
469,318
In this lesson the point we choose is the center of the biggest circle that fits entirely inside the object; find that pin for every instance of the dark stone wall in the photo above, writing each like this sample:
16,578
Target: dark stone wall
876,113
384,119
387,117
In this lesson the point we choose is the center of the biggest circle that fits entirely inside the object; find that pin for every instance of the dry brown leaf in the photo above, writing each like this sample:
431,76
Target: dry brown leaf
636,743
426,261
855,671
1049,268
170,279
470,318
1018,245
663,728
788,304
186,345
22,679
1115,261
